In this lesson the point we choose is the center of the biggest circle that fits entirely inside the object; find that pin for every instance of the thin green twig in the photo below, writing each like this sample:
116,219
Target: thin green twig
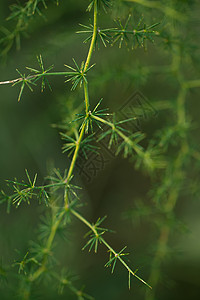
88,224
55,226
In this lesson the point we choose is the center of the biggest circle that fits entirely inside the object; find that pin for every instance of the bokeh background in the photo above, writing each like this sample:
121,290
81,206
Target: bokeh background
30,140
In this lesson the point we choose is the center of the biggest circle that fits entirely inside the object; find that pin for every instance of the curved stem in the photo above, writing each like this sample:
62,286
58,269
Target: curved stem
89,56
55,226
92,45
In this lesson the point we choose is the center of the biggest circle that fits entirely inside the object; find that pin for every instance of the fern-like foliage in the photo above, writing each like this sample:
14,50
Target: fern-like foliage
165,155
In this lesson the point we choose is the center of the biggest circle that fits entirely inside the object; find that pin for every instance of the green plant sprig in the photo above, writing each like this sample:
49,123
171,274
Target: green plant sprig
26,191
67,205
98,238
151,158
119,131
77,76
55,225
139,33
59,214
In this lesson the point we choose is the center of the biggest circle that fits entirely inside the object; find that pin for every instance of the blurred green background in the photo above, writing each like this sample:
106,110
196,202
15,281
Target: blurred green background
29,141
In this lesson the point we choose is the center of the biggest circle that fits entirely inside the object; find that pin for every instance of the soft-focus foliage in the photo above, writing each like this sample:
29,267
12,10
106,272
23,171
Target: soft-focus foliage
133,155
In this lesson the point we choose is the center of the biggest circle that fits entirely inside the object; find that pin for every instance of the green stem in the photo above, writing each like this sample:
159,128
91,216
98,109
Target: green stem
82,219
55,226
134,31
88,224
89,56
135,147
86,93
78,144
123,263
92,45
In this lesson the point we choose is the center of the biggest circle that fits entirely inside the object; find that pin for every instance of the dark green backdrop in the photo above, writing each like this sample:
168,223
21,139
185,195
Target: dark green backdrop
28,141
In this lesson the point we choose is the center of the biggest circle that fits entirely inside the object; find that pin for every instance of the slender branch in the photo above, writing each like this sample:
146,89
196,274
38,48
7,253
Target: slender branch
86,93
11,81
87,63
78,144
88,224
55,226
134,31
135,147
82,219
29,77
92,45
123,263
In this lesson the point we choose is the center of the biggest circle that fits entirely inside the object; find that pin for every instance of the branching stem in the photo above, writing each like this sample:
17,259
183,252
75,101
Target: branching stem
135,147
88,224
55,225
